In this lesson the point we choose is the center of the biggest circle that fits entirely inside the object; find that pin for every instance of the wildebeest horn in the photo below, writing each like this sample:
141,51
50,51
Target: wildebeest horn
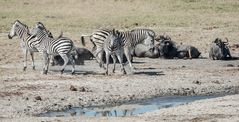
226,40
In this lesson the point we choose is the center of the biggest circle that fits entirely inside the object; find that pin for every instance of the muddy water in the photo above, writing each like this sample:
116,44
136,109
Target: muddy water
128,109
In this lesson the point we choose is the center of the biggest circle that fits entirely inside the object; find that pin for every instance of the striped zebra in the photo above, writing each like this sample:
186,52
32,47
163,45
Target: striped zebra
130,40
21,30
49,46
113,46
49,34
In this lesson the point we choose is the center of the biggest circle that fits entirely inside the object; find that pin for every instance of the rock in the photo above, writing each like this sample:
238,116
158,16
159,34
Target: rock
72,88
197,82
38,98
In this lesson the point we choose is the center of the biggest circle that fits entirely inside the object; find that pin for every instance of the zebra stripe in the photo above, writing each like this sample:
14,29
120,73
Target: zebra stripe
130,40
49,46
113,45
21,30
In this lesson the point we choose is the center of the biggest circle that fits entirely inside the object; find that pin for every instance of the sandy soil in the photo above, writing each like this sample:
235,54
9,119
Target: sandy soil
26,94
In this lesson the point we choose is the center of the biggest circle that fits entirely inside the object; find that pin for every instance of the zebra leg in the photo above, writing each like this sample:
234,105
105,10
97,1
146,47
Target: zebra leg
127,53
114,61
45,58
107,55
52,60
120,58
25,51
66,60
98,56
100,59
72,60
32,56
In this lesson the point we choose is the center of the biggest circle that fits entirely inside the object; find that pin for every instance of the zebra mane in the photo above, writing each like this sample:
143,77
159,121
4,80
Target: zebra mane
23,26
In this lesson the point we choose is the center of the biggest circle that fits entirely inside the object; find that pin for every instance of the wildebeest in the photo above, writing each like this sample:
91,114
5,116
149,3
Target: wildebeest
187,51
219,50
144,51
82,54
169,49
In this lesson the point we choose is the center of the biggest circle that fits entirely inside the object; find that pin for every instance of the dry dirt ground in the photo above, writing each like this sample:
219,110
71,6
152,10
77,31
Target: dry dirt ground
26,94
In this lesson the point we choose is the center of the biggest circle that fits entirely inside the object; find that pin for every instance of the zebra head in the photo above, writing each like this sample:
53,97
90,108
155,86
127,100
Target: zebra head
18,28
41,26
38,31
113,40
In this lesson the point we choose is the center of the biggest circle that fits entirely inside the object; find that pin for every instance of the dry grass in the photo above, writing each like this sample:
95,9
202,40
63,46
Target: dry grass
83,15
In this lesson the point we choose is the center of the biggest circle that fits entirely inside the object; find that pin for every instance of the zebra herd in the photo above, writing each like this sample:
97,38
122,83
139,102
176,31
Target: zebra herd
41,40
113,42
117,43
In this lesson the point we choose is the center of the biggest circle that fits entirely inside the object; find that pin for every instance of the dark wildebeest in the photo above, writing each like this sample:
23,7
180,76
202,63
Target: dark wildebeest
219,50
168,49
82,54
187,51
144,51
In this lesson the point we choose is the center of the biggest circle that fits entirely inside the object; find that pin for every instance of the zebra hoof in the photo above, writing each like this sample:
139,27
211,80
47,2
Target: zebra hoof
124,72
72,73
62,71
106,73
133,68
113,71
24,68
45,72
34,68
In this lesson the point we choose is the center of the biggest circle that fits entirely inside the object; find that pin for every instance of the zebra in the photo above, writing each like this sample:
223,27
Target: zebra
49,34
50,46
21,30
130,40
113,45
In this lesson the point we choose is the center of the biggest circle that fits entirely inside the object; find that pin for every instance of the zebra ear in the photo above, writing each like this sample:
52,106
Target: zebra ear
117,32
17,21
114,33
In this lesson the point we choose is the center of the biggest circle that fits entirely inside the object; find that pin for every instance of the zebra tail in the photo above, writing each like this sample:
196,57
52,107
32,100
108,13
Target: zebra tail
61,35
83,39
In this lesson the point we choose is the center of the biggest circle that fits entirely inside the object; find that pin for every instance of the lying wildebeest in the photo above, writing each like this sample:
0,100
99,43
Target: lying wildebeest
219,50
82,54
187,51
144,51
168,49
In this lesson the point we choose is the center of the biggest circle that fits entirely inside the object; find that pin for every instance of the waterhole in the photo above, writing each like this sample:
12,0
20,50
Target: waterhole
127,109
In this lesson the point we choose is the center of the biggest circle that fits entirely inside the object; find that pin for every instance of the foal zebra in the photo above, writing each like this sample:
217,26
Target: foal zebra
130,40
113,45
50,46
21,30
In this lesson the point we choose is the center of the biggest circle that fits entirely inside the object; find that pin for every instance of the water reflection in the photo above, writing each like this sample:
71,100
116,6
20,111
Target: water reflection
126,109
